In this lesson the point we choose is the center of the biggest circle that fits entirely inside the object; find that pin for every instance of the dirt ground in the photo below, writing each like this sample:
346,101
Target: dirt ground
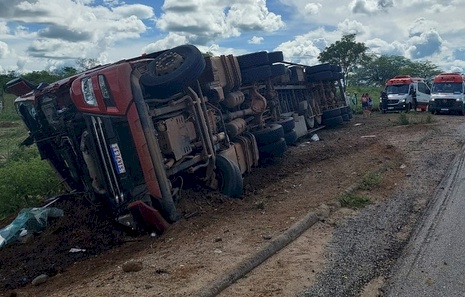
218,234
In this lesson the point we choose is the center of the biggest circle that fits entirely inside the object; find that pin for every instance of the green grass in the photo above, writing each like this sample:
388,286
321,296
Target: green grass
356,200
415,118
370,181
25,179
352,200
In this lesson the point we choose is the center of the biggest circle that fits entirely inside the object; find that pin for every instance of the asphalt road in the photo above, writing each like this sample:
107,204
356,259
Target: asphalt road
433,263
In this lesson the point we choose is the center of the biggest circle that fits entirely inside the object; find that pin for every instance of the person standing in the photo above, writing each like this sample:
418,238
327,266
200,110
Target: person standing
370,105
365,106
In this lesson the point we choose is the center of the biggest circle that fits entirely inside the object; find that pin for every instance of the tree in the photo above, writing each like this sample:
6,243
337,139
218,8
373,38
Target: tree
86,63
377,69
346,53
424,69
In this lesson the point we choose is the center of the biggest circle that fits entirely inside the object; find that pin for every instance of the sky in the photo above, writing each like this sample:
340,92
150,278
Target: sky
40,35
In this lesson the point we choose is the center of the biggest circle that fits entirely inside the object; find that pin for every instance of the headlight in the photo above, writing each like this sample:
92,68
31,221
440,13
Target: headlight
458,100
88,91
432,99
403,100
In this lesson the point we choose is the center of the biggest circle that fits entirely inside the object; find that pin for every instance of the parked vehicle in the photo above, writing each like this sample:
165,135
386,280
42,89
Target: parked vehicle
447,94
403,90
132,133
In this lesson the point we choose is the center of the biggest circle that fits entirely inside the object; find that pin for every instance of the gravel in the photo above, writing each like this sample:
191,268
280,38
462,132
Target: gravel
365,247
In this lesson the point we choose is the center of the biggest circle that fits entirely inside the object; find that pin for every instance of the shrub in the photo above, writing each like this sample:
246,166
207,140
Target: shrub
370,181
352,200
403,119
23,183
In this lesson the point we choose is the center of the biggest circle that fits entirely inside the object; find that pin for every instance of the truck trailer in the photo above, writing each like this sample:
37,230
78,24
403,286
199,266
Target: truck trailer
130,134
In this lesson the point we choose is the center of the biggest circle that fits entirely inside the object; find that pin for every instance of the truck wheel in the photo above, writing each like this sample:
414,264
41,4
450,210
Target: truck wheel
269,134
253,60
255,74
278,70
331,113
230,182
274,57
324,75
318,68
174,70
333,122
273,150
291,137
287,123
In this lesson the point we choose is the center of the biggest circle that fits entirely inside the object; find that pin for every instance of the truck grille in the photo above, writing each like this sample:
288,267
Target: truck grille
118,160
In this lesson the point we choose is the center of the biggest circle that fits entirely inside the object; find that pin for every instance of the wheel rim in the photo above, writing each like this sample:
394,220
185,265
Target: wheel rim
168,62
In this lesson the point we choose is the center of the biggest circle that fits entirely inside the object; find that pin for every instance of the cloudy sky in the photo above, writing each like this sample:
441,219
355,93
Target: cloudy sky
49,34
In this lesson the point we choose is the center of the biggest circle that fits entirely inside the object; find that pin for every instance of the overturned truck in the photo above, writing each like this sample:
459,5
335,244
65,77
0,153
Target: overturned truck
131,133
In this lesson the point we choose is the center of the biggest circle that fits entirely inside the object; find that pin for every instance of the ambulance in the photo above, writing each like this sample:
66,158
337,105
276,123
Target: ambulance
402,90
448,94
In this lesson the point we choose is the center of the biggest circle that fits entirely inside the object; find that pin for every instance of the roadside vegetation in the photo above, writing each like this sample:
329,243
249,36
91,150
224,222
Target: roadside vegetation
25,179
356,198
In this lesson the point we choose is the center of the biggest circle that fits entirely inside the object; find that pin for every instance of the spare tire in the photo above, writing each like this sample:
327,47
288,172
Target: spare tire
174,70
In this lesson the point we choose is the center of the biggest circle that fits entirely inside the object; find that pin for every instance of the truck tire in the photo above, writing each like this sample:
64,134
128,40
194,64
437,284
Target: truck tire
318,68
271,133
252,60
324,75
274,149
230,182
290,137
174,70
256,74
278,70
275,57
333,122
287,123
331,113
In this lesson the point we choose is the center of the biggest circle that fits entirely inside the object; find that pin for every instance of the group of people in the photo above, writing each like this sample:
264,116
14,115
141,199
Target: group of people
367,105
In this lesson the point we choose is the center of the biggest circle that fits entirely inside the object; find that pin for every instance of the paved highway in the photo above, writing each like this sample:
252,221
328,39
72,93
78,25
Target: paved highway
433,263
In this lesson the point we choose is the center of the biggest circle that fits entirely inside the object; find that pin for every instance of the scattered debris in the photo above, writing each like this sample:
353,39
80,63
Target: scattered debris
28,221
76,250
315,137
40,279
132,266
368,136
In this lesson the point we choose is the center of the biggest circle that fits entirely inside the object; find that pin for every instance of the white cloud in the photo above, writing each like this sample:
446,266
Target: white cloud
312,8
256,40
169,41
351,27
202,21
300,50
4,51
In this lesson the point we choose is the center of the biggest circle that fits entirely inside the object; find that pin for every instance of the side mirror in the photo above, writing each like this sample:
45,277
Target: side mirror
19,86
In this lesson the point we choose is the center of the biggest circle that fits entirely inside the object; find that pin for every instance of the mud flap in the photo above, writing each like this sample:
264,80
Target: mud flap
148,217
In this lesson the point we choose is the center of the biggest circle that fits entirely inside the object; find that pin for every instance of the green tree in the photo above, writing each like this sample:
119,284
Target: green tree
375,71
346,53
86,63
424,69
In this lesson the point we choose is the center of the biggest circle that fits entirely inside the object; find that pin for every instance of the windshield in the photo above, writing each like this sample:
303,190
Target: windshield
447,87
397,89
